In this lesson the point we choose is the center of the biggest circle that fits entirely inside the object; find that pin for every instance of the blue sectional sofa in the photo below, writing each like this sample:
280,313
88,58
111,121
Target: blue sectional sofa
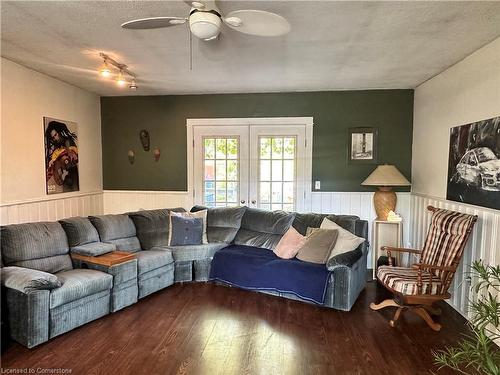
48,292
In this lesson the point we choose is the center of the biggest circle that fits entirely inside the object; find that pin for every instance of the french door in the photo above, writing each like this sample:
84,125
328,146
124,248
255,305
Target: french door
277,160
258,165
220,166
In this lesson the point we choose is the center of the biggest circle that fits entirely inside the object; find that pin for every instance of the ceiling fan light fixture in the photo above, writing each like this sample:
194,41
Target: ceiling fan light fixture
205,25
133,86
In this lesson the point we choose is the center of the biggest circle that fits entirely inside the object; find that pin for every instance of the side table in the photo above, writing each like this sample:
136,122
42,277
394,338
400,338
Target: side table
386,233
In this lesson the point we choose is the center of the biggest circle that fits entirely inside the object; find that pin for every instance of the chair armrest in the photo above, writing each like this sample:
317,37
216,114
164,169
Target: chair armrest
433,267
423,266
26,280
400,249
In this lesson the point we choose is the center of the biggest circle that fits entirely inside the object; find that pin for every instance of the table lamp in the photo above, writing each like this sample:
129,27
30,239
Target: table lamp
385,177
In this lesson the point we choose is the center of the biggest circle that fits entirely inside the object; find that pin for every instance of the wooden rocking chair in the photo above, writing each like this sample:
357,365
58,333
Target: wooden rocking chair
418,288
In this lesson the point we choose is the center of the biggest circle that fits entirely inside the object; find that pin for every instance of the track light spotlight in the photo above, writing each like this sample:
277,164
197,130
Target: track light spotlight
120,81
105,71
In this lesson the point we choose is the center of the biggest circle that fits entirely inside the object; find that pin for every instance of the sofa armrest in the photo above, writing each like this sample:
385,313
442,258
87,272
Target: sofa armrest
93,249
28,316
26,280
121,272
345,259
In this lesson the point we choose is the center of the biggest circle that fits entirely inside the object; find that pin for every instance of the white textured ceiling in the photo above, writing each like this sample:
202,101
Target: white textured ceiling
332,45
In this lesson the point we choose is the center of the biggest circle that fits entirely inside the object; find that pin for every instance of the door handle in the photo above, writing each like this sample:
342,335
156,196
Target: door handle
254,201
242,201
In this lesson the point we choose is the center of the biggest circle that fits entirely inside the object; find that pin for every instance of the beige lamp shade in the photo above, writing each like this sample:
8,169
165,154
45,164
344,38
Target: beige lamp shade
386,175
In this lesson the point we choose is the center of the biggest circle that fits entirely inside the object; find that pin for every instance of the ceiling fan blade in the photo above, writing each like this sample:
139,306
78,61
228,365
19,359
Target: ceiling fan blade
153,22
257,22
195,4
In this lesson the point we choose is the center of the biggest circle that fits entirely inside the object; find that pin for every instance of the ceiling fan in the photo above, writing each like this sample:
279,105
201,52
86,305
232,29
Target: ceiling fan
205,21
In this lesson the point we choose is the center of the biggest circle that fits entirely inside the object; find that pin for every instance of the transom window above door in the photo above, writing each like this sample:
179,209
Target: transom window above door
221,171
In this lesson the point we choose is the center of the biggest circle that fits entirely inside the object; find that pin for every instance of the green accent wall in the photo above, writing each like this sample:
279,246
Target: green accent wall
391,111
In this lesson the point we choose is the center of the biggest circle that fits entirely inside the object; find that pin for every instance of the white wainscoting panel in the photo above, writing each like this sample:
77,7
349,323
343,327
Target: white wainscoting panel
340,203
51,208
120,201
483,244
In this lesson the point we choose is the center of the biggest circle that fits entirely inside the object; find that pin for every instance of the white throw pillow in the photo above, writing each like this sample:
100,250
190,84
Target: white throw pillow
346,241
198,214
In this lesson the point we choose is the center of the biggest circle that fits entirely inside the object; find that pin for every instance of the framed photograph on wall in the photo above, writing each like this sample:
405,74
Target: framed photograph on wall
61,156
363,146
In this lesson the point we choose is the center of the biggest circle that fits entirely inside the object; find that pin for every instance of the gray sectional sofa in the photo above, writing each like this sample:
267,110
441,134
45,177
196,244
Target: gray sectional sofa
48,292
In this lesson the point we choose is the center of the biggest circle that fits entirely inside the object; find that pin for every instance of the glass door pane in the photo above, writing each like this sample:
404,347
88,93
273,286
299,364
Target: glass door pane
221,171
277,171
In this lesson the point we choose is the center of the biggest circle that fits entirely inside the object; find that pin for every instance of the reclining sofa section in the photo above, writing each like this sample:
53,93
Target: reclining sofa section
41,306
48,293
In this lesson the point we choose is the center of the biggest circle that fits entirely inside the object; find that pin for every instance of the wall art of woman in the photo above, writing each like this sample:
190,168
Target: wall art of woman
61,156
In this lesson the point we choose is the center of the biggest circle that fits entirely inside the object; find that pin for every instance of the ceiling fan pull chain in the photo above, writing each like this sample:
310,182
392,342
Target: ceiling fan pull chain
190,51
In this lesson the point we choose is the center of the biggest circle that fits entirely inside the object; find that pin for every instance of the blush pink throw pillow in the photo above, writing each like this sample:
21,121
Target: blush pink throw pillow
289,244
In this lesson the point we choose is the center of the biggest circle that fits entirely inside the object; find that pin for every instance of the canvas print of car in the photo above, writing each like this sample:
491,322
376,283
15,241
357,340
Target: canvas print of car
480,167
474,164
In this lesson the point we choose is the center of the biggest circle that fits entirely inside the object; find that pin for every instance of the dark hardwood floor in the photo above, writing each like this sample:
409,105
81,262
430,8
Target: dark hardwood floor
209,329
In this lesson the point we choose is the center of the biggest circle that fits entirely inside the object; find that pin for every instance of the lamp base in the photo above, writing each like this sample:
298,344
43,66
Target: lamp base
384,201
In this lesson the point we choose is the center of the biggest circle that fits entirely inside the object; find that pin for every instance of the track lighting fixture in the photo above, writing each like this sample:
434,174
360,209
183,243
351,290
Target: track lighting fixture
113,67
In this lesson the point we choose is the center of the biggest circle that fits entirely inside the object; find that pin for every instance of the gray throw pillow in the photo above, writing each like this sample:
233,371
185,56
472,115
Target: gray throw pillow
186,230
318,246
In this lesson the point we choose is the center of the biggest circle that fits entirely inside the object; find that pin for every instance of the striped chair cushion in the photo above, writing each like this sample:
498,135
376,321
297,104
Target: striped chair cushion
404,280
447,232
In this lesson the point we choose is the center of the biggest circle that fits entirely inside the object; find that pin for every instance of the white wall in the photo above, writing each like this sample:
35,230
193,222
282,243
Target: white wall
466,92
26,97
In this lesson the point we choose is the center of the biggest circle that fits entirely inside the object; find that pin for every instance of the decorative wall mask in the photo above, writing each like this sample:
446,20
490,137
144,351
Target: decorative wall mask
131,156
144,136
156,154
